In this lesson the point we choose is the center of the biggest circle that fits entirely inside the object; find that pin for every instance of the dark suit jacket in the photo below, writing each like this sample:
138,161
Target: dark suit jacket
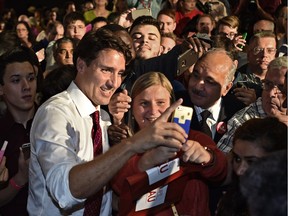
229,106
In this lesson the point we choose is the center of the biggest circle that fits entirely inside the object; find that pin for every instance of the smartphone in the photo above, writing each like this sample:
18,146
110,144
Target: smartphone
244,36
186,60
141,12
182,116
2,151
26,150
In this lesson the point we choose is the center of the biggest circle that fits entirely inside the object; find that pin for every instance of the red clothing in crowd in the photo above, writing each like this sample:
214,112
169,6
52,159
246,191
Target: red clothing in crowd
195,198
183,19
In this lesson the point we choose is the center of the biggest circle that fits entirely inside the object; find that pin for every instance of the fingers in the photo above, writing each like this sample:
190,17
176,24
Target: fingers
117,133
21,156
194,152
247,96
165,116
3,171
119,105
4,175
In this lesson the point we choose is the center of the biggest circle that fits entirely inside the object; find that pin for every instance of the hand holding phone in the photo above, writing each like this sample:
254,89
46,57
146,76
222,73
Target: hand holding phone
244,36
182,116
186,60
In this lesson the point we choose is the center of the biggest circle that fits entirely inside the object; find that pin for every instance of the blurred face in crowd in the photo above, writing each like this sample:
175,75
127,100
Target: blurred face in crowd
100,2
64,54
53,15
260,53
272,94
150,104
100,79
228,31
245,153
263,25
167,24
146,41
208,82
98,25
88,6
188,5
205,25
22,31
70,8
19,89
167,44
76,29
55,35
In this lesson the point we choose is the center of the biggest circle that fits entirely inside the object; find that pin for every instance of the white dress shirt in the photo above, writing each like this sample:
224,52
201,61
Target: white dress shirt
212,119
60,139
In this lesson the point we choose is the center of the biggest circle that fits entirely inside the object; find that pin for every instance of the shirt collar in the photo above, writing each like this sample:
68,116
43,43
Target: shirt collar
81,101
215,110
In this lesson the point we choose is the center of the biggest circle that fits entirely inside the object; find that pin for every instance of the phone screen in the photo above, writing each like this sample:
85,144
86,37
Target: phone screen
141,12
182,116
186,60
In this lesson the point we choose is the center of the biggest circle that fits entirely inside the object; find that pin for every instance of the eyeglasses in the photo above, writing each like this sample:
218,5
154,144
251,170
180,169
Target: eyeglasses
230,35
268,86
269,50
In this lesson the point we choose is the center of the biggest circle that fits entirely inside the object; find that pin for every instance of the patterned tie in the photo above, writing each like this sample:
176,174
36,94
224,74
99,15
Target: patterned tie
203,124
93,203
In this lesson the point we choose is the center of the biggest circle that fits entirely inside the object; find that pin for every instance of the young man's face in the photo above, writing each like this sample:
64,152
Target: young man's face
76,29
146,41
167,24
102,77
19,89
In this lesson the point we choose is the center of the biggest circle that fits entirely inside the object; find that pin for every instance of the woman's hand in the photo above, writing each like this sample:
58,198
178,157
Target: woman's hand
3,171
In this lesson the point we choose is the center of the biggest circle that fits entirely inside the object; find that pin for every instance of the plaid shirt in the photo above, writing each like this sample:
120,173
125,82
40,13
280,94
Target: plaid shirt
254,110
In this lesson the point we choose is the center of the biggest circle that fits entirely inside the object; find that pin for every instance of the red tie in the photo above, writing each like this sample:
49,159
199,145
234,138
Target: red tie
93,203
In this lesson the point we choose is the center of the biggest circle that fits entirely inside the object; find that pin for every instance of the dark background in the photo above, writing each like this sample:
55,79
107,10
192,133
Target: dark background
21,6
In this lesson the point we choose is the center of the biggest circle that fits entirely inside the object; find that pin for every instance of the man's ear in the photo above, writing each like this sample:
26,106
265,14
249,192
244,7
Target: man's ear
160,50
80,65
227,88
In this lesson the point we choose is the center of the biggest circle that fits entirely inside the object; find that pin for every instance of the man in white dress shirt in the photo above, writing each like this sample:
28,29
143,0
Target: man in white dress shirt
63,170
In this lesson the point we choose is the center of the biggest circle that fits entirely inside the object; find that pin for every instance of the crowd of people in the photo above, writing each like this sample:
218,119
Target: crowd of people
87,95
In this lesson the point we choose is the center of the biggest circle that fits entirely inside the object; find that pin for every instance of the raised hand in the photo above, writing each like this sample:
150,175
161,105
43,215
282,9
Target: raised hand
160,133
194,152
118,105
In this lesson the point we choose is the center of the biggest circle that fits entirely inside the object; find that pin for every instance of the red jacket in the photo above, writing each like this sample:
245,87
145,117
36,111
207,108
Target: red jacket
191,187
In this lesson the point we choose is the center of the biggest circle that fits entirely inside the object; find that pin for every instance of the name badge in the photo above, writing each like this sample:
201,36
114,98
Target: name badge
151,199
158,173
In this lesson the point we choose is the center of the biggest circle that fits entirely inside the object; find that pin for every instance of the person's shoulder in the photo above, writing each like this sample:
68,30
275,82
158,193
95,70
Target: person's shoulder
232,104
243,69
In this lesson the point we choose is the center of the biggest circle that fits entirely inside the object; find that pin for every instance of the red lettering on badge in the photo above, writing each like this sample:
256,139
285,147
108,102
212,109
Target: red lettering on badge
152,196
163,168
